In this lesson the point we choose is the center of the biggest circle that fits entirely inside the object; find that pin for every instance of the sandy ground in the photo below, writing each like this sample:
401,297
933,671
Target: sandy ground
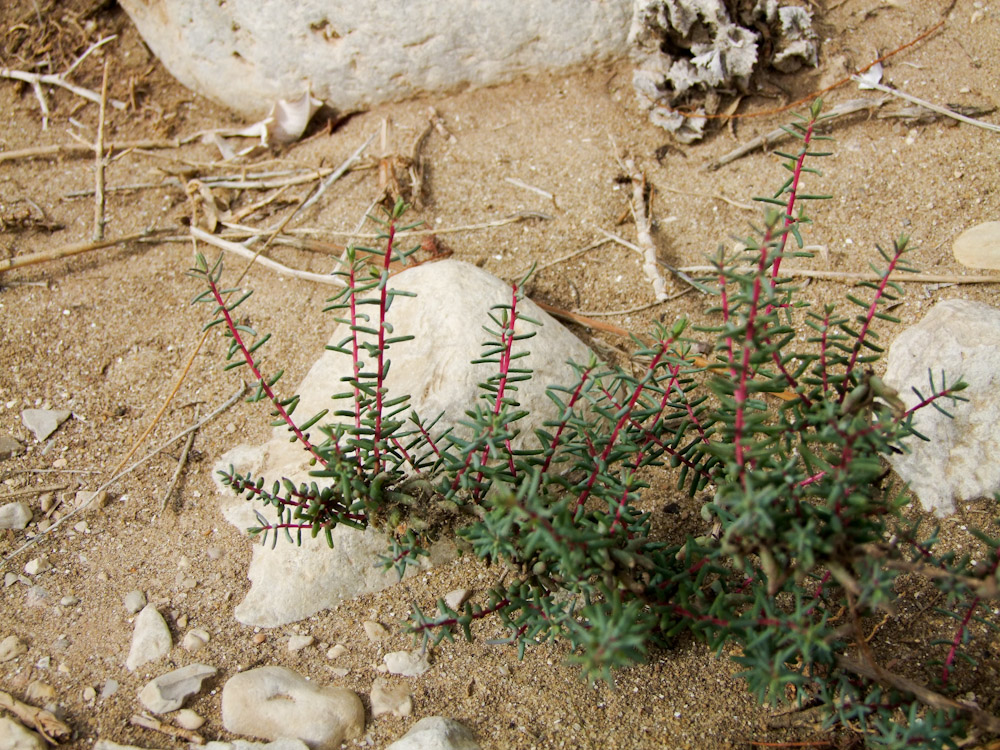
107,334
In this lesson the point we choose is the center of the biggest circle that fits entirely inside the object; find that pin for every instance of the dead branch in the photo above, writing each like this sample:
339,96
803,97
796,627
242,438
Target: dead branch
100,162
926,104
148,722
643,229
51,728
913,278
77,248
82,148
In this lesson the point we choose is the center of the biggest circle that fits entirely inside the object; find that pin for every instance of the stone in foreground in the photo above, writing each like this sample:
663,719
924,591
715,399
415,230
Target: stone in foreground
151,638
979,246
436,733
169,691
959,462
274,702
446,319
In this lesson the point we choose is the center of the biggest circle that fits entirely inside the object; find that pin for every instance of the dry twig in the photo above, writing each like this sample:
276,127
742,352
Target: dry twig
34,491
926,104
51,728
149,722
915,278
77,248
83,148
100,162
643,228
181,463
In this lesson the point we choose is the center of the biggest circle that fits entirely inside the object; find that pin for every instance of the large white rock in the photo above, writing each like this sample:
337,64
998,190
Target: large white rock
14,515
247,54
446,317
274,702
959,462
15,736
151,638
169,691
436,733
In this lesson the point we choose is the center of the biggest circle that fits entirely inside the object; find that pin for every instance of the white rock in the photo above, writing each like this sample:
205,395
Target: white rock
407,663
273,702
109,688
150,640
39,692
37,565
446,317
134,601
90,500
979,247
195,639
285,743
12,647
188,719
169,691
961,338
386,699
375,631
436,733
14,515
336,651
352,54
299,642
89,695
15,736
43,422
455,599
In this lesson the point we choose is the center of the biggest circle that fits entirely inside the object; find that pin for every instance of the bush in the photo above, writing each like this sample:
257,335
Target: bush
785,442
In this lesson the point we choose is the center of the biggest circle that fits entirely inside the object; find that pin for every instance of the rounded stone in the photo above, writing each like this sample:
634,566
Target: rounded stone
979,246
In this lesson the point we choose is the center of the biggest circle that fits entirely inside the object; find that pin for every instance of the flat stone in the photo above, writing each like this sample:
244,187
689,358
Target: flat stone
436,733
43,422
169,691
407,663
9,447
14,515
195,639
386,699
134,601
274,702
979,246
12,647
959,461
150,639
452,304
15,736
299,642
375,631
188,719
352,54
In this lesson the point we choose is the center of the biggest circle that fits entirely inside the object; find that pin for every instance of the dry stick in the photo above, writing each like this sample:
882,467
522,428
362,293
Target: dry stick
181,463
916,278
77,248
34,491
928,697
244,252
842,109
148,722
643,228
82,148
926,104
50,727
118,472
562,258
100,163
336,175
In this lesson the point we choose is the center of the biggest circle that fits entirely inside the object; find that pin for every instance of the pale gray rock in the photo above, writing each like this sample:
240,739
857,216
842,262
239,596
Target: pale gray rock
436,733
15,736
169,691
12,647
274,702
14,515
37,565
407,663
195,639
375,631
109,688
385,699
189,719
299,642
9,447
958,338
285,743
979,246
150,638
134,601
247,54
43,422
452,304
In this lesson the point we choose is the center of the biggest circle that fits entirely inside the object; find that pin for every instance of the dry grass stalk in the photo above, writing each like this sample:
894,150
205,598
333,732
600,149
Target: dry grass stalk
66,251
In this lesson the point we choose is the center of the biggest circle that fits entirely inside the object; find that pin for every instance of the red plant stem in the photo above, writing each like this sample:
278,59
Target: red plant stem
562,425
957,640
380,372
870,315
449,621
790,205
626,416
822,351
406,455
507,340
248,358
355,355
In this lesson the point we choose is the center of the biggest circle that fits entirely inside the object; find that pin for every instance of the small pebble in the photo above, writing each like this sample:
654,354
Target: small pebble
979,246
182,621
339,671
9,447
39,692
14,515
299,642
407,663
9,579
89,694
455,599
69,601
134,601
375,631
194,639
44,663
43,422
60,463
47,502
188,719
90,500
110,688
259,638
336,651
82,527
37,565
